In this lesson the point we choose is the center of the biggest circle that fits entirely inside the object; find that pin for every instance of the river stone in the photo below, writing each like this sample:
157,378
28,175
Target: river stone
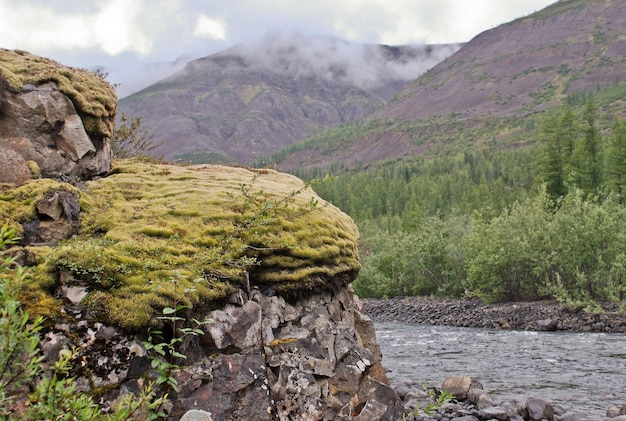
195,415
494,412
484,401
466,418
539,409
458,386
547,325
573,416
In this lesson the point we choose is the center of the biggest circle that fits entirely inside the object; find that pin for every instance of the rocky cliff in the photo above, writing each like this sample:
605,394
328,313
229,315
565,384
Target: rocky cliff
55,121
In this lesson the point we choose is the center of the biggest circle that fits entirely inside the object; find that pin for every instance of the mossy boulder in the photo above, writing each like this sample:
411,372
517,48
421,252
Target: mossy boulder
93,97
154,236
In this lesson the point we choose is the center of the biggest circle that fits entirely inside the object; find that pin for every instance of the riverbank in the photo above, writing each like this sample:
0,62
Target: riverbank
536,316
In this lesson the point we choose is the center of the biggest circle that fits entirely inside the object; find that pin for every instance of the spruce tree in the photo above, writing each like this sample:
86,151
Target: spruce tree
590,150
616,161
557,135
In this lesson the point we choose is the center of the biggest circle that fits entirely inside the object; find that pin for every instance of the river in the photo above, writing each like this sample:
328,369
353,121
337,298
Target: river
585,372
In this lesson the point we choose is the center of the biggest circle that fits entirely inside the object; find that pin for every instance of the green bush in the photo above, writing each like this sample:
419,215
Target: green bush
571,250
428,261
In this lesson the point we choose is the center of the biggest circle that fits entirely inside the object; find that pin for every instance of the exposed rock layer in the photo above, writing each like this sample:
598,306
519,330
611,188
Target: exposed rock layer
260,358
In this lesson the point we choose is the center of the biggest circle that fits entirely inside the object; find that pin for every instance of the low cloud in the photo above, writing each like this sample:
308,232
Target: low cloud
366,66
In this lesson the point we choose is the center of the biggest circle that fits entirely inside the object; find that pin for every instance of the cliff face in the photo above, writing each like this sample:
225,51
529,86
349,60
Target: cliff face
261,358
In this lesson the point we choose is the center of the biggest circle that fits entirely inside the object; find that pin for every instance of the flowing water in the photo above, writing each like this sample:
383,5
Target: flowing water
585,372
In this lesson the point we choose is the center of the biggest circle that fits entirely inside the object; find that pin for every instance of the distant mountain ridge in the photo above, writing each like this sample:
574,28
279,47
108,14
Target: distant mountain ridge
242,104
500,77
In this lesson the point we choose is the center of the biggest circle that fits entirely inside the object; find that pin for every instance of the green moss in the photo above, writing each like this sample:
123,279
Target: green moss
188,236
157,232
94,98
17,205
35,171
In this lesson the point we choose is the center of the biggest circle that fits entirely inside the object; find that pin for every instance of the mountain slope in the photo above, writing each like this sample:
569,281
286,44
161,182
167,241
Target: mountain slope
248,101
488,86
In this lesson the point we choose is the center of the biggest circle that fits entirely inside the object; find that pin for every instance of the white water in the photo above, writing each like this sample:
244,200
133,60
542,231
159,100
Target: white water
585,372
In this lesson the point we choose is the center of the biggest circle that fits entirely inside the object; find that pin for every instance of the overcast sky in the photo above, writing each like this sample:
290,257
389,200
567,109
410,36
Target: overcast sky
140,41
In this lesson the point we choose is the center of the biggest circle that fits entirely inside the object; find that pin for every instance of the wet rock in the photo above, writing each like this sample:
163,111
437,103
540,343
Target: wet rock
572,416
483,400
543,315
539,409
504,323
547,325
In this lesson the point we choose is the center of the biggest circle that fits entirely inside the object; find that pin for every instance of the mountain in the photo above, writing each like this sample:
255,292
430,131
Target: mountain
490,90
246,102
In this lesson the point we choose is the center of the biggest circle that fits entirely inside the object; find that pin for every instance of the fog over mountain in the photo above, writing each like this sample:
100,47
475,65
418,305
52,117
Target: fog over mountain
365,66
247,101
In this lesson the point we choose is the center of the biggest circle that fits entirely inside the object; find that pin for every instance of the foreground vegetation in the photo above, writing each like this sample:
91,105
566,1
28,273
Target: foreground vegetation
543,221
25,392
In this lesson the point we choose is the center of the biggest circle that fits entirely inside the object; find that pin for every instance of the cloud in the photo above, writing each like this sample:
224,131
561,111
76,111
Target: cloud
115,29
207,27
110,27
127,37
366,66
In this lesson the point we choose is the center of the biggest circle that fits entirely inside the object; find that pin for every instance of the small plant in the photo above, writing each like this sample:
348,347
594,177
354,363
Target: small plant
166,354
436,399
131,139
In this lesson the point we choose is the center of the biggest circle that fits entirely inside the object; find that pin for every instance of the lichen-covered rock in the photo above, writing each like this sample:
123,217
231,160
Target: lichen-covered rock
57,117
310,362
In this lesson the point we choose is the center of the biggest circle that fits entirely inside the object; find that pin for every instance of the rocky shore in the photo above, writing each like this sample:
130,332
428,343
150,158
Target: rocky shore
471,402
537,316
463,399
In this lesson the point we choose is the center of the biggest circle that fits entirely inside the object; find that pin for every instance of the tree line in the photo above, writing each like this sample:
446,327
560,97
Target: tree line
528,223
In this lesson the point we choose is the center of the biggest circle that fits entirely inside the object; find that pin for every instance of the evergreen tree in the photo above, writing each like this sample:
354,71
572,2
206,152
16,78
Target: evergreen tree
616,162
557,135
590,150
